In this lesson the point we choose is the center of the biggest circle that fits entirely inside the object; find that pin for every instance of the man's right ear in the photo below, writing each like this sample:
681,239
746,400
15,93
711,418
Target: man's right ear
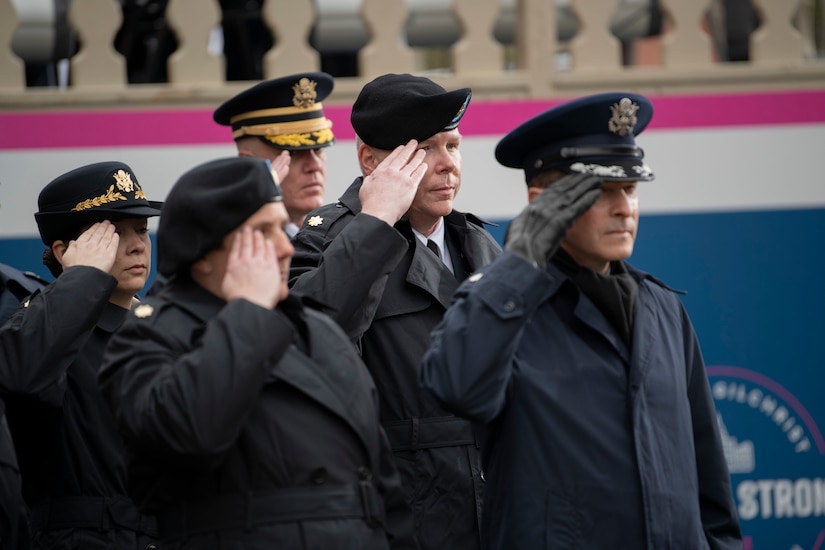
533,192
58,250
367,159
203,266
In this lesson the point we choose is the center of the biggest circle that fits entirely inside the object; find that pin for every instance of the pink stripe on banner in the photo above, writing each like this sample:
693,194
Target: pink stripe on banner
193,126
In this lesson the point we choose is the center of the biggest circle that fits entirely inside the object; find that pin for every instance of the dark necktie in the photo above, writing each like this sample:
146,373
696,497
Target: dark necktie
434,248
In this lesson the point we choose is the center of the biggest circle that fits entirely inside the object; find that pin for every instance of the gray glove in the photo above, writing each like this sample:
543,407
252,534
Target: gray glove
538,230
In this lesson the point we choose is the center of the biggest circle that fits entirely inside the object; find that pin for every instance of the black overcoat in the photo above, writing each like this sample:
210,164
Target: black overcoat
245,427
388,291
71,460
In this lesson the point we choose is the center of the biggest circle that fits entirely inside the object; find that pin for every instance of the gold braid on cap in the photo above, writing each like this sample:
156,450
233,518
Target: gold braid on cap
110,196
123,180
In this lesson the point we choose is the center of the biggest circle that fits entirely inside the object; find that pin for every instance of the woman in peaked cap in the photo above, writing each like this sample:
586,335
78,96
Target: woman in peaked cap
93,221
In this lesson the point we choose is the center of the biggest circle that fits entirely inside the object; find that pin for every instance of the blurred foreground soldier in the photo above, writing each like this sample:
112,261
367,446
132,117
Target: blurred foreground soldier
600,428
250,422
15,286
94,222
282,120
14,529
386,258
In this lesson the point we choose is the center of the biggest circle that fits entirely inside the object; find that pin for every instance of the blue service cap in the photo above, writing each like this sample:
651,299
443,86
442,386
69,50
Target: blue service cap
286,113
593,134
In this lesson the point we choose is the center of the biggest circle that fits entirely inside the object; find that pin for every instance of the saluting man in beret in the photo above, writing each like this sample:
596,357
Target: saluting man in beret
386,258
250,421
93,221
282,120
600,428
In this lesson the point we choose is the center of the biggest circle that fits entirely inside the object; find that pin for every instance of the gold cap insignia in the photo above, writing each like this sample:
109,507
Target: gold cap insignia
124,182
315,221
143,311
623,118
304,93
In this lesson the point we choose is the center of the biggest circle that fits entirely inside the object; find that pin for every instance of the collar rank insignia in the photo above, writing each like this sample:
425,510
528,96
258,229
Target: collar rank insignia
143,311
623,118
315,221
304,93
26,303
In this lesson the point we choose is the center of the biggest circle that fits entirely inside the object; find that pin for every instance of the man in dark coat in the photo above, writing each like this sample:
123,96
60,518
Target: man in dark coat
94,222
599,425
283,120
386,258
249,420
15,286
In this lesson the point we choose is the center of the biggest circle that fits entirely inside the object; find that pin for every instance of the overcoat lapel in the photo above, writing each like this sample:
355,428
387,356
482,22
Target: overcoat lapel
324,377
428,272
591,316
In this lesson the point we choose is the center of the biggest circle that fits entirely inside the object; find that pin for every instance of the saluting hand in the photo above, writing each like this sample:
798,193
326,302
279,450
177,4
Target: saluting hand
95,247
280,166
536,233
252,270
389,190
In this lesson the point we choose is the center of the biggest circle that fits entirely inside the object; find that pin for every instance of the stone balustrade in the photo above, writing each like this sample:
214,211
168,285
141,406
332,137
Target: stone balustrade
783,53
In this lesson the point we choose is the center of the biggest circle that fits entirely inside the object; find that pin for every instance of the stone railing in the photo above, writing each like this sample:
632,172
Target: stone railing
785,52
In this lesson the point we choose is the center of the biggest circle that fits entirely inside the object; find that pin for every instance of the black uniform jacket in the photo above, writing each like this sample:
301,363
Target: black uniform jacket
74,475
251,428
15,286
388,291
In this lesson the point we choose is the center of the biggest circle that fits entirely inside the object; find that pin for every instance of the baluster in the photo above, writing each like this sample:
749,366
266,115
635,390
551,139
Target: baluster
291,23
11,67
536,44
477,50
193,21
594,47
386,52
776,40
686,44
97,64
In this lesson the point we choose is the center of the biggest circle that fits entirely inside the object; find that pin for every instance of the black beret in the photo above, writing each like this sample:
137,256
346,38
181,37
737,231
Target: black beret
395,108
593,134
206,204
89,194
285,113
